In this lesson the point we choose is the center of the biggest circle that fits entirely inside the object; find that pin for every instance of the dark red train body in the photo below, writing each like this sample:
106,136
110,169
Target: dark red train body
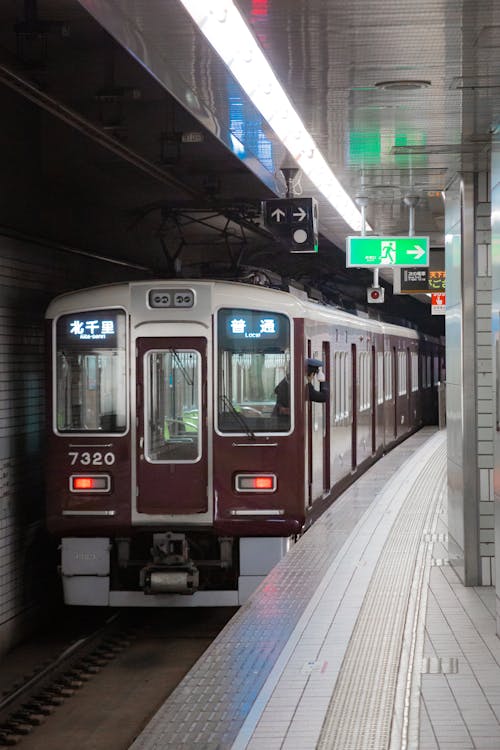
171,478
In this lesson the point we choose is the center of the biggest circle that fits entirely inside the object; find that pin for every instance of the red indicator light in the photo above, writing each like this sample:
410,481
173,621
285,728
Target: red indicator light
96,483
263,483
83,483
255,483
259,7
375,294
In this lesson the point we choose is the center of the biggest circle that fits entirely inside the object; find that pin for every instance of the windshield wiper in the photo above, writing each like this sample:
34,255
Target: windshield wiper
239,417
181,366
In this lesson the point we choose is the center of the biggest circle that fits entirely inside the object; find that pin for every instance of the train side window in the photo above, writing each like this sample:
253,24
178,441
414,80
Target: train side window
388,375
173,388
90,374
341,383
255,380
380,377
364,368
429,370
402,373
436,370
414,371
423,370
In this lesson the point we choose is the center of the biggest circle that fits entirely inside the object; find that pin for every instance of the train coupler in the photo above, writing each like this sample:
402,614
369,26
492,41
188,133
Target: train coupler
168,579
171,570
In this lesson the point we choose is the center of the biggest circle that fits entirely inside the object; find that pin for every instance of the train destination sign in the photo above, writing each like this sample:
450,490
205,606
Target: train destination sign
369,252
101,329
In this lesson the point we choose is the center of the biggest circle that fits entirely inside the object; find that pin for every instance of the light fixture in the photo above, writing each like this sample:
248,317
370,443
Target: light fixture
226,30
403,85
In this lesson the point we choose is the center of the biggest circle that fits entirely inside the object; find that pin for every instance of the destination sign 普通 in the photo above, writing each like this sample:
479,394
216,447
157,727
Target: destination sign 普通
368,252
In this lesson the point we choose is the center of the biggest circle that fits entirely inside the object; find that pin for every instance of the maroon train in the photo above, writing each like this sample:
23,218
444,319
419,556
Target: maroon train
171,478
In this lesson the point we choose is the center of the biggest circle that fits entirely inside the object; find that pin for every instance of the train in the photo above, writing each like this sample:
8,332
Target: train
172,477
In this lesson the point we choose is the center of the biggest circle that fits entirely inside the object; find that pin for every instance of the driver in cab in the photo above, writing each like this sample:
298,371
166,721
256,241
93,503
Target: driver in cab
314,373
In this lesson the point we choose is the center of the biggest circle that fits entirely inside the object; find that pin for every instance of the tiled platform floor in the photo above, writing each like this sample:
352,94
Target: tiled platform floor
278,675
460,697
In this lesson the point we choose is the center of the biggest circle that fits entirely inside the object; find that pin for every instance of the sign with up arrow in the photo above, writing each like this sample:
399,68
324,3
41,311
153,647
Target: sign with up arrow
294,222
387,251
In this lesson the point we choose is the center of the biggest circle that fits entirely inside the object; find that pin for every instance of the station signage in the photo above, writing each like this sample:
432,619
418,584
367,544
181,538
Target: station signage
294,222
438,303
370,252
422,281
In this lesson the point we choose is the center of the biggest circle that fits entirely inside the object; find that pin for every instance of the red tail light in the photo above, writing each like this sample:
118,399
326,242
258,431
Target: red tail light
255,482
263,483
90,483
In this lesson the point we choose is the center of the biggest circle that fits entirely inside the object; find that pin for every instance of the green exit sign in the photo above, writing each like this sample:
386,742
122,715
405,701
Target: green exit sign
387,251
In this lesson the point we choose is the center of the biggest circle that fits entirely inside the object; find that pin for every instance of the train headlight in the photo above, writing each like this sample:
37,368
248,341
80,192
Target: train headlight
90,483
255,482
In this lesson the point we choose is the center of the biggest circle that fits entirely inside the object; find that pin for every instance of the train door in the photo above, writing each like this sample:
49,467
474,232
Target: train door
326,419
171,446
354,406
374,401
395,381
317,435
309,433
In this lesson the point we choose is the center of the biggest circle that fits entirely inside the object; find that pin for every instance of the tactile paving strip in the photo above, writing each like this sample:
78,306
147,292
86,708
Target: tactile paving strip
210,705
361,711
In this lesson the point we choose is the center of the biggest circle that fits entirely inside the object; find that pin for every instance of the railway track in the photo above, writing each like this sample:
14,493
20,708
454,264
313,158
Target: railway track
98,693
28,703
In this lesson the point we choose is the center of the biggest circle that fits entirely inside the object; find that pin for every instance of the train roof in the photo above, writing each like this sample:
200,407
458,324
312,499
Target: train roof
293,302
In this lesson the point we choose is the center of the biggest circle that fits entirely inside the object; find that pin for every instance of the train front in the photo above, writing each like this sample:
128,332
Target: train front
175,468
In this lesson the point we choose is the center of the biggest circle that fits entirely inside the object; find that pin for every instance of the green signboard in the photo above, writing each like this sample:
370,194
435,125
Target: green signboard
387,251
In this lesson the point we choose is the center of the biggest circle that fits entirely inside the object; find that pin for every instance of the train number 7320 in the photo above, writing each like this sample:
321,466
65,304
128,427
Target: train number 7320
86,458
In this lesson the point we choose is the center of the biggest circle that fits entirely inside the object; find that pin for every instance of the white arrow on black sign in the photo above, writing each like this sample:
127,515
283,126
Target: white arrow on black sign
278,214
300,213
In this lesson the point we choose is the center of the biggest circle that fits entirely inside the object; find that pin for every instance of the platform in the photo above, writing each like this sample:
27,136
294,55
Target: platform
361,638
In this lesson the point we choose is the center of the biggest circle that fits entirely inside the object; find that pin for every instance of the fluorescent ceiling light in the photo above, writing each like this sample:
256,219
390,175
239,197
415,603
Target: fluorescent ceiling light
226,30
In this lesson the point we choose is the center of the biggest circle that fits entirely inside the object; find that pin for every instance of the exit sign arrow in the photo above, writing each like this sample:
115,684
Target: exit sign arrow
369,252
418,253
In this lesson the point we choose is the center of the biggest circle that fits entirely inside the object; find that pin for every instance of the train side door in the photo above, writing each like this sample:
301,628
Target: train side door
327,418
373,398
354,406
318,434
172,469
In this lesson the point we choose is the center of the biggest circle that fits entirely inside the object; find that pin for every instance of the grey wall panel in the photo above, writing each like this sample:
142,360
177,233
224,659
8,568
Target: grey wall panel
454,405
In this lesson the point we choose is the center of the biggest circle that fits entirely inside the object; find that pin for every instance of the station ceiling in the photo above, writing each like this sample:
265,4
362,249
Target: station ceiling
128,137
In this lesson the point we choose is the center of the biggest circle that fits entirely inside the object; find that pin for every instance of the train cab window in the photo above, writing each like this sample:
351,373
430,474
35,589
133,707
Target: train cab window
254,388
91,372
173,395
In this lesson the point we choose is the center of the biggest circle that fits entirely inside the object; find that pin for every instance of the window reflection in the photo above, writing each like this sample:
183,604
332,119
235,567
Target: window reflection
91,373
172,431
254,370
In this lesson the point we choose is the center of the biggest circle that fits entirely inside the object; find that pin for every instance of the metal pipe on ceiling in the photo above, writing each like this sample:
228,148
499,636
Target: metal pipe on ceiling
76,121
